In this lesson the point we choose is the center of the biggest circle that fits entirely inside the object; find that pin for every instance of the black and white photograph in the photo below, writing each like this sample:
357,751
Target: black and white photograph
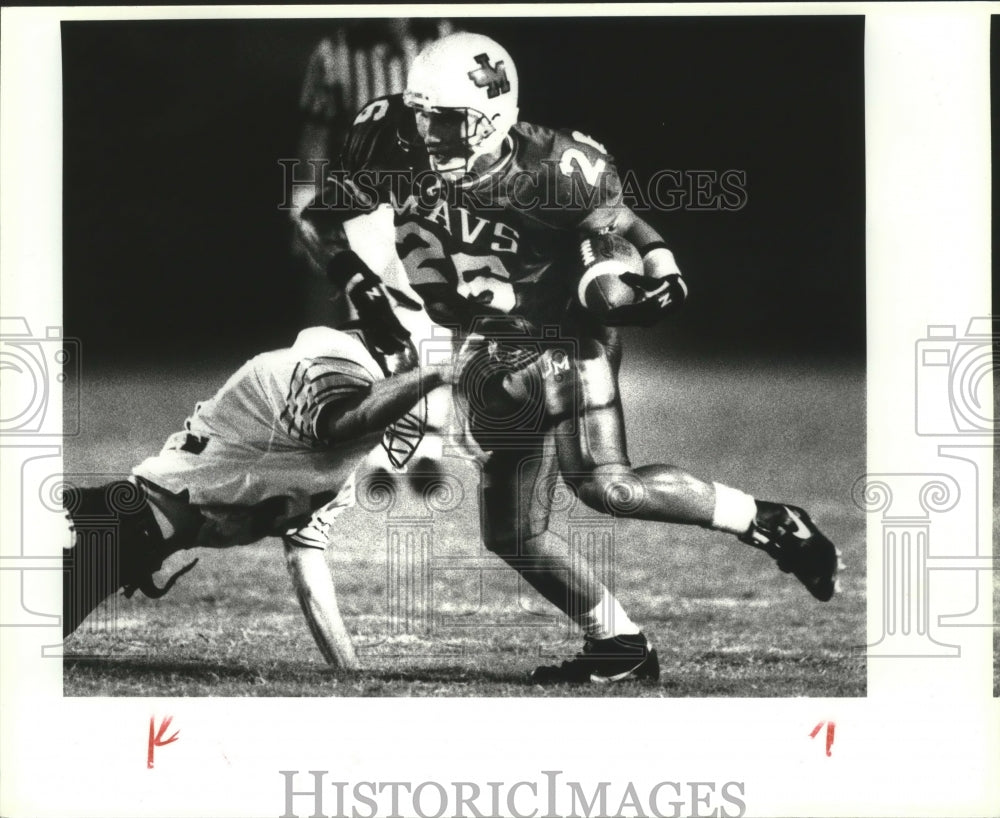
366,372
610,491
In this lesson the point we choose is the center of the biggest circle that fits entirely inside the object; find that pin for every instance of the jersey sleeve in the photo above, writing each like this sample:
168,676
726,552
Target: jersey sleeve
581,178
318,386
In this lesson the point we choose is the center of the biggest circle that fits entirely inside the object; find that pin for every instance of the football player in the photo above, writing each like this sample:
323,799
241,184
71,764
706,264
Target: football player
489,216
362,55
271,454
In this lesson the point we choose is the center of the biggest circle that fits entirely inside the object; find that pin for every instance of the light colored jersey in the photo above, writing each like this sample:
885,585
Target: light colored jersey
252,458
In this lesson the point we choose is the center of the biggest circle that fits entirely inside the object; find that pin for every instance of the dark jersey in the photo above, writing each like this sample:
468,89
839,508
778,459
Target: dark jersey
504,244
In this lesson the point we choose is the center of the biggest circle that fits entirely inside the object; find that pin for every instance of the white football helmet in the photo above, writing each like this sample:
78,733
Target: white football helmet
471,75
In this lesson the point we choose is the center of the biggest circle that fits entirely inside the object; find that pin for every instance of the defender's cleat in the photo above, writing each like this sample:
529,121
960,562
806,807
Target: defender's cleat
799,547
605,661
117,546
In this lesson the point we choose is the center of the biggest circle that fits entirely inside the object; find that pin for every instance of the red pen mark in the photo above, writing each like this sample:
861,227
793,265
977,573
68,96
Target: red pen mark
156,739
830,728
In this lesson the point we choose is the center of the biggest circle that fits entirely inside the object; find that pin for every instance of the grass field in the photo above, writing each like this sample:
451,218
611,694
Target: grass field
725,621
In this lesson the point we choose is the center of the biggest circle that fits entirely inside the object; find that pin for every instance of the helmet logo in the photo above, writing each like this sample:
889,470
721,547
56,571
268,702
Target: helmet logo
493,78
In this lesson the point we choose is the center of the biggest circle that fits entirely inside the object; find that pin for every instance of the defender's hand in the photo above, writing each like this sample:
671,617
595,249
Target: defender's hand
382,328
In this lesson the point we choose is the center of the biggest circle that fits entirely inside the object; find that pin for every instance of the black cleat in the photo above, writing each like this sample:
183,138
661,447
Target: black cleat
799,547
604,661
117,545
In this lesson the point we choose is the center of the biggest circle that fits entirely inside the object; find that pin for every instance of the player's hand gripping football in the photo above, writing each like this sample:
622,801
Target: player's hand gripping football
656,298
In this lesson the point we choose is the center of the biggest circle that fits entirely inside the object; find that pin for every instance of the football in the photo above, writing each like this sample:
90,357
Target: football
605,257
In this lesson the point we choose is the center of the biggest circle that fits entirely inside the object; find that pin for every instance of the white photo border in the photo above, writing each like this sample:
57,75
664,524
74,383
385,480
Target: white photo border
925,740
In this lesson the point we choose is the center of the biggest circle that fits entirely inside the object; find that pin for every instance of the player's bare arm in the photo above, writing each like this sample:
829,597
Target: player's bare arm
387,401
317,596
356,417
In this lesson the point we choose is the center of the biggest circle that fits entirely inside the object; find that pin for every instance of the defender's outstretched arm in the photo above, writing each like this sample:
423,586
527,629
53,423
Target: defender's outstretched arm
385,403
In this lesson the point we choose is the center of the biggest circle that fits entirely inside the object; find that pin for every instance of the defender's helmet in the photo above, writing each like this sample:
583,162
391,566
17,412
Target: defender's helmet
473,79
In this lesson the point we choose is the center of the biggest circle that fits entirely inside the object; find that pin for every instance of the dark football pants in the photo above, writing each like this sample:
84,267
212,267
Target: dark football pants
521,477
583,423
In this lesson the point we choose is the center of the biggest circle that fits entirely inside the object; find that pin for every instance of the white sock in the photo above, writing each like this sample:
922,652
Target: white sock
734,510
606,619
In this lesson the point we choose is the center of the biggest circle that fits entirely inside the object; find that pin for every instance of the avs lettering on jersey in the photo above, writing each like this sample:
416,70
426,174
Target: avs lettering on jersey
502,244
315,385
477,256
508,243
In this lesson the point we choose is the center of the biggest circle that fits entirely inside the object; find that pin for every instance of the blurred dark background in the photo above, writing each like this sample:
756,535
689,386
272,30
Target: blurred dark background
174,243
